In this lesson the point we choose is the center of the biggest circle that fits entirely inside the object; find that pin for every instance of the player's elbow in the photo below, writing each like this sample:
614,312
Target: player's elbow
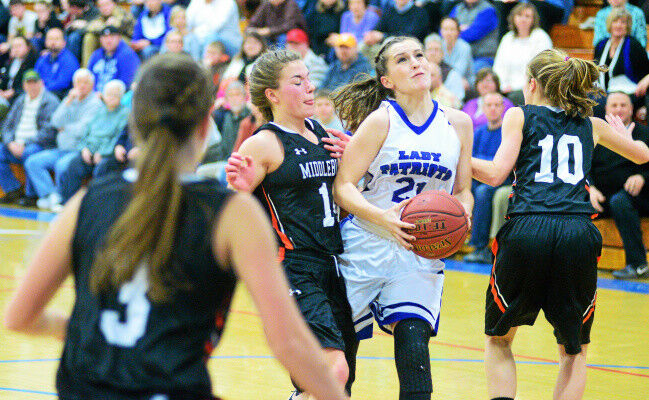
15,323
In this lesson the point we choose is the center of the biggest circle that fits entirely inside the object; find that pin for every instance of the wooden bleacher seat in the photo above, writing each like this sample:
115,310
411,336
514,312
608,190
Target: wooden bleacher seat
612,248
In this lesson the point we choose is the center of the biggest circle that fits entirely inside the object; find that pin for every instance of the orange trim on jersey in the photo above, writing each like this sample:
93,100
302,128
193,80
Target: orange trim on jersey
280,254
591,311
510,195
492,280
282,236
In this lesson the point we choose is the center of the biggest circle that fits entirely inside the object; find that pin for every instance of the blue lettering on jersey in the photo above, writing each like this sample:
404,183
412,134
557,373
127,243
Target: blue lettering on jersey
417,168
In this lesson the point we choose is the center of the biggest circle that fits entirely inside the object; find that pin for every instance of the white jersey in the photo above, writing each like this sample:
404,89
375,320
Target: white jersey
412,159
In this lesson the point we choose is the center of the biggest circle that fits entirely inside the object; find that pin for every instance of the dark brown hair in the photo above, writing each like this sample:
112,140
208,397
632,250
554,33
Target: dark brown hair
518,9
172,97
567,82
356,100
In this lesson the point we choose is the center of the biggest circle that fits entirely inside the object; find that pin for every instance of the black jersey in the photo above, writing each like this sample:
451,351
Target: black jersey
120,345
553,164
298,194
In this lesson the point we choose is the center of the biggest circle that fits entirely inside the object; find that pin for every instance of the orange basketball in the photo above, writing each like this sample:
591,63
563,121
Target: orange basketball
441,224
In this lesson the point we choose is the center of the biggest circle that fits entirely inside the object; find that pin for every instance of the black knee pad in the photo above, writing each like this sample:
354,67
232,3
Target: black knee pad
411,337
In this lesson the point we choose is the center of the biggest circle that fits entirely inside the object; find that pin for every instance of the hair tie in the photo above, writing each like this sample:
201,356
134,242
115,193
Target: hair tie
567,58
175,126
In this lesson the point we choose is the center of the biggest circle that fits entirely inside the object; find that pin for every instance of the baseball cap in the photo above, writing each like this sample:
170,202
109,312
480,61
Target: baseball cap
297,36
345,39
109,30
31,75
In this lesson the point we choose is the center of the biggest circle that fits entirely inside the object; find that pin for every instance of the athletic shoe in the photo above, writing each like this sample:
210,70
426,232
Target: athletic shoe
631,272
480,256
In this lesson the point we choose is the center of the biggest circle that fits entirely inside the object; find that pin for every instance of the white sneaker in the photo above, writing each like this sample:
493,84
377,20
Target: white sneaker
43,203
55,202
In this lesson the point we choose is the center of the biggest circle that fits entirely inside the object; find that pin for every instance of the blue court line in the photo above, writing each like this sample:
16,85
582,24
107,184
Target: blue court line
376,358
27,391
27,214
602,283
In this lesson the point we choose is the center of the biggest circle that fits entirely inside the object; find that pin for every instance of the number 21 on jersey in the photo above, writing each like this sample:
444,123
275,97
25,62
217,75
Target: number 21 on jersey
569,151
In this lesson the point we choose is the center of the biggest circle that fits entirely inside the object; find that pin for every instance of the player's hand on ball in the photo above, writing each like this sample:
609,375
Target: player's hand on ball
336,145
240,172
391,220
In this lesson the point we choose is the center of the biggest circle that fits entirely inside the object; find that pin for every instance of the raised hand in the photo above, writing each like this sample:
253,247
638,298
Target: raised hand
240,172
337,144
617,124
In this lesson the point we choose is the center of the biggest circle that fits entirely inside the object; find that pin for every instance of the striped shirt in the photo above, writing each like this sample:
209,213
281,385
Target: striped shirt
27,129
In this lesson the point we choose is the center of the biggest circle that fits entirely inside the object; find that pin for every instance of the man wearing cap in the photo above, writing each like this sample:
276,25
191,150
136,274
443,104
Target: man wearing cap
26,131
109,15
348,65
114,59
298,41
57,64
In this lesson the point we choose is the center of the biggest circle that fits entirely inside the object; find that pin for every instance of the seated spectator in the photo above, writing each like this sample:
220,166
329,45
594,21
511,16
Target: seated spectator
21,59
22,21
324,24
517,48
638,27
45,20
403,18
439,92
249,125
71,120
348,64
77,15
486,141
113,60
189,41
274,18
215,20
98,142
624,56
457,52
26,131
451,78
325,112
620,190
298,41
227,118
124,155
57,65
109,15
358,20
151,28
486,81
479,27
239,68
216,61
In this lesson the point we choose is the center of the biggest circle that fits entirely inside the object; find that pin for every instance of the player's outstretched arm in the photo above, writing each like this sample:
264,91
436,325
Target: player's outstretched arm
359,154
45,274
617,139
496,171
243,237
463,125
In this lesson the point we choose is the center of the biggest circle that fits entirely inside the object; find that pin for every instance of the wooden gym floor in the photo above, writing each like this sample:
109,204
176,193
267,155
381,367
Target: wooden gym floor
242,367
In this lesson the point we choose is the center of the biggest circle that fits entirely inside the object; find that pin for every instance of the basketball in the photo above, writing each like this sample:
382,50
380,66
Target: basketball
441,224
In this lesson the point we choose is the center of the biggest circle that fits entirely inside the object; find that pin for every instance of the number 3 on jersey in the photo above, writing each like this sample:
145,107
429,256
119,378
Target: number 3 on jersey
133,295
566,142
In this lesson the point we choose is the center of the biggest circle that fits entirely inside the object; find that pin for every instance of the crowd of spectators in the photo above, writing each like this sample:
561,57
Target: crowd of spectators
66,70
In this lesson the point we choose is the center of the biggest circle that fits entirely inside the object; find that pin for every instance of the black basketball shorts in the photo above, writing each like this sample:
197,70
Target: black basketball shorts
320,295
548,262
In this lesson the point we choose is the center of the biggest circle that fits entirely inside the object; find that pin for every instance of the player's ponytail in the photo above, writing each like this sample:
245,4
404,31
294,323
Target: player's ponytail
356,100
567,82
173,96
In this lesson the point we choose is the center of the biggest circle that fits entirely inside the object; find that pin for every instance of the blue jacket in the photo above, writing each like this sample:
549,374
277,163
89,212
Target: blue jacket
138,32
121,65
486,142
337,77
57,72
